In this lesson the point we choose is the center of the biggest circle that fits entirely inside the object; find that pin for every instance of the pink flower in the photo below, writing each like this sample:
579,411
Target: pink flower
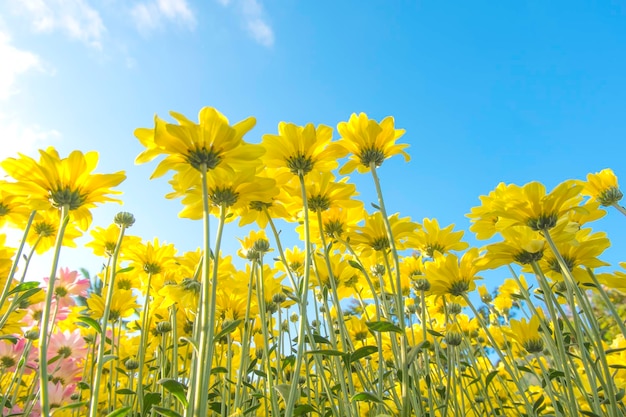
10,354
67,344
68,285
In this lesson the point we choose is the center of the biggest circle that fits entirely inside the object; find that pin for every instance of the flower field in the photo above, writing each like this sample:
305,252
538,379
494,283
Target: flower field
370,313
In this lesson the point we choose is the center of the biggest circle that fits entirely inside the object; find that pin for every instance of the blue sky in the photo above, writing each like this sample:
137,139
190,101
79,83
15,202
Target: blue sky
487,91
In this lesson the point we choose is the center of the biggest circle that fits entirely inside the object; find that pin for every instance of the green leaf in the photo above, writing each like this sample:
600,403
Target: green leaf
303,409
326,352
366,396
9,338
356,265
107,358
283,390
69,406
127,269
165,411
227,330
316,338
125,391
150,399
490,378
375,206
176,388
383,326
361,353
91,323
120,412
24,286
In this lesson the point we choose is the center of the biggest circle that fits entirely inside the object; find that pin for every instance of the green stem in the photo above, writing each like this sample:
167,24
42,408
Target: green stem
142,346
303,292
202,364
16,260
43,335
619,208
93,406
406,410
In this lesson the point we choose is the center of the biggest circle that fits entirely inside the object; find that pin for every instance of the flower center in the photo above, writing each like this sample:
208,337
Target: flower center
459,287
223,196
319,203
6,362
44,229
380,243
432,247
4,210
542,222
151,268
524,257
372,155
533,345
606,197
259,205
66,197
553,264
209,157
300,164
333,228
65,351
60,292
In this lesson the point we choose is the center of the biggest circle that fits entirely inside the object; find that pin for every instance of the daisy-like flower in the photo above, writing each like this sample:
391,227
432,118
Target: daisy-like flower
14,210
151,257
301,149
373,235
485,221
123,305
578,254
526,333
43,232
535,208
210,144
10,354
369,142
449,275
254,246
67,344
323,193
67,285
105,240
521,245
603,187
430,238
232,191
63,182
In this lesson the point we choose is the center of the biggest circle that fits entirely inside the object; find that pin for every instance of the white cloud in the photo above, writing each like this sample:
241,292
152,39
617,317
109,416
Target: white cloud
76,18
253,18
16,136
14,62
152,14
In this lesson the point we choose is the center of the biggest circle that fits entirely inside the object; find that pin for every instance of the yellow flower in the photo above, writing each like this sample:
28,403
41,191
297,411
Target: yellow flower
430,238
123,305
152,257
13,207
254,246
105,240
211,143
323,193
369,142
44,229
301,149
373,235
58,182
485,221
449,275
521,245
602,186
538,210
526,333
232,191
579,254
